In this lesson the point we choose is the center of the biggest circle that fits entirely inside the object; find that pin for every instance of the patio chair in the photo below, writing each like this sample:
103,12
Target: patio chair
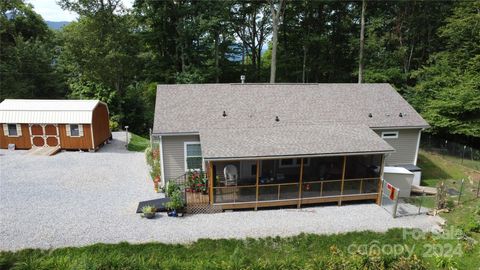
231,175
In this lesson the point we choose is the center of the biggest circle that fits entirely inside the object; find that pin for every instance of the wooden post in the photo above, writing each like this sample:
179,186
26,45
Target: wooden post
257,178
211,181
379,188
300,183
343,179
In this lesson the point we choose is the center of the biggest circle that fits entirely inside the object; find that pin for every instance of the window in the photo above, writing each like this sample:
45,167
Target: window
74,131
390,135
293,162
12,130
193,156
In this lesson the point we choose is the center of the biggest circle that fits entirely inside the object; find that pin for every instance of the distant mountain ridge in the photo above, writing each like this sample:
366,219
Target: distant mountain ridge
57,25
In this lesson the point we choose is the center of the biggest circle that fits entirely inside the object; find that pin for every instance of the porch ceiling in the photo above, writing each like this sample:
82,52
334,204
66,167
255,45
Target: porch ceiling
290,141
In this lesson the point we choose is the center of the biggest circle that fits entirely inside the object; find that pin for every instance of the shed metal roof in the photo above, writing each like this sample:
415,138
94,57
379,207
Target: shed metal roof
47,111
281,140
188,108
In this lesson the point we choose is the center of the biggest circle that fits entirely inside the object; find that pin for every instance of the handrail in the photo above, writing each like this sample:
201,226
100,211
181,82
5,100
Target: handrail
237,189
225,187
279,184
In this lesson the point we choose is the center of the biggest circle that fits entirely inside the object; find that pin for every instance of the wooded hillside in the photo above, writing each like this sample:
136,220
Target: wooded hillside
429,50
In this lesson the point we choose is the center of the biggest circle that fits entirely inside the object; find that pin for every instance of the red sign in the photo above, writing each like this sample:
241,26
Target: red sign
392,191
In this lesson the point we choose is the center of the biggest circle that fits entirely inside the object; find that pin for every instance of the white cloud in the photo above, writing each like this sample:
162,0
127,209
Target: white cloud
51,11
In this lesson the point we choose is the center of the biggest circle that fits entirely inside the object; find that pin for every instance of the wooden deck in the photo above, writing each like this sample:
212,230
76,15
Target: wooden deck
197,198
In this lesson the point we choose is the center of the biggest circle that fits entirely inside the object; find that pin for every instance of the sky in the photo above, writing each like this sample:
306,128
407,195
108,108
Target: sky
51,11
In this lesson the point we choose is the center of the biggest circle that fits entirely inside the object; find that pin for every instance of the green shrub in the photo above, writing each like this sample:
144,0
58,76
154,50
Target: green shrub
149,209
149,156
176,201
170,188
473,225
444,262
408,263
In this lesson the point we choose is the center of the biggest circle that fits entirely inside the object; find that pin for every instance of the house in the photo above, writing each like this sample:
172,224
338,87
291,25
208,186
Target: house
65,124
285,144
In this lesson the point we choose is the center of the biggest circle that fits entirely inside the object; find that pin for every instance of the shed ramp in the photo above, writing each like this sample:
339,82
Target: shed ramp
43,151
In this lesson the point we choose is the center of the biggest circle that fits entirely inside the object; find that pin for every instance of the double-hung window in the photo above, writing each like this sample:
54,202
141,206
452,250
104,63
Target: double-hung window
193,156
74,130
12,130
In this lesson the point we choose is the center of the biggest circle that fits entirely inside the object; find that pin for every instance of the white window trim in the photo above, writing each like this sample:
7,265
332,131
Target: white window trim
80,131
6,130
185,156
389,137
306,162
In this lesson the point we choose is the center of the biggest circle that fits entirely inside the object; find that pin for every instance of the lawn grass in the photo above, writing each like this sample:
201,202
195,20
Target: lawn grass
137,143
305,251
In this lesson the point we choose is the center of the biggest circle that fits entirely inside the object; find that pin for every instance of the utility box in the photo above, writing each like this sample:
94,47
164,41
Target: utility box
400,178
417,172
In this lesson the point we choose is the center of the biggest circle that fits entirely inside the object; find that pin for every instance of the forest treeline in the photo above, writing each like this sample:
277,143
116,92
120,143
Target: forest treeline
429,50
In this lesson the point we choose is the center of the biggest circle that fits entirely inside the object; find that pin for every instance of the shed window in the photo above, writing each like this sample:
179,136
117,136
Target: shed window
193,156
390,135
74,131
12,130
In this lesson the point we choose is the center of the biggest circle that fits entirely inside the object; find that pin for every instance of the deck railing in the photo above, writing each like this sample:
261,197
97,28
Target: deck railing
290,191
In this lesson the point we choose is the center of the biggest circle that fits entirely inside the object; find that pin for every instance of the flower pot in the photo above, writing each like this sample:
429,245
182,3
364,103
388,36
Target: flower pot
173,213
149,215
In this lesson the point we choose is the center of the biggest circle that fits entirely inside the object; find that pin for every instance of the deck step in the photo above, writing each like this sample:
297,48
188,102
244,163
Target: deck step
43,151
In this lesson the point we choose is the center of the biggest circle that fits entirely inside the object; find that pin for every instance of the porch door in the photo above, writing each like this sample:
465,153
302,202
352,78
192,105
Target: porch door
248,169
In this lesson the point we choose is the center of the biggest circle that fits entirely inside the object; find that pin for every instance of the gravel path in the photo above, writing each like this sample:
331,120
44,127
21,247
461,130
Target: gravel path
75,199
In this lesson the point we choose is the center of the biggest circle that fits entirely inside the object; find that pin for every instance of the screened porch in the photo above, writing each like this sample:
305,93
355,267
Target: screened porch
294,181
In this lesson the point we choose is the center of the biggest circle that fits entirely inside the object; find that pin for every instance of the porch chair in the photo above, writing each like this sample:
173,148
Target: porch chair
231,175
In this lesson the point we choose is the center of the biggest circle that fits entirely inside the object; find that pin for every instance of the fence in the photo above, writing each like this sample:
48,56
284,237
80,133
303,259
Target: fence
453,151
398,207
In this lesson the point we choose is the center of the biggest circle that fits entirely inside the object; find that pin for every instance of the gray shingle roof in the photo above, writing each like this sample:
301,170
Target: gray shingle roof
189,108
287,140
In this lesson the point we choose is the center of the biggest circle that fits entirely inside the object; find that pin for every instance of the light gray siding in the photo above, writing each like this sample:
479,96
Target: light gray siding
405,146
174,155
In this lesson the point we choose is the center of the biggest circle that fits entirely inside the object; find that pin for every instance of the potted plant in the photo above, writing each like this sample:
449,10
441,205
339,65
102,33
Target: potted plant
176,204
149,211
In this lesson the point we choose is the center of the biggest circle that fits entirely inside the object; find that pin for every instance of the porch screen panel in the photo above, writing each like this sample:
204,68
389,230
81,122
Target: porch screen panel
361,174
322,177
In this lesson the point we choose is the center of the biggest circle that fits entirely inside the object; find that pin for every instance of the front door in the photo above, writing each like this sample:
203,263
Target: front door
44,135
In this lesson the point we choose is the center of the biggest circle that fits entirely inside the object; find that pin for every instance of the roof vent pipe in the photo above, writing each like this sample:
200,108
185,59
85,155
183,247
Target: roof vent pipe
224,114
242,78
370,115
277,119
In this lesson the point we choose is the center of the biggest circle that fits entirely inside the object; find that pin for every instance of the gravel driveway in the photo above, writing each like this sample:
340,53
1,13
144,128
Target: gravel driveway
75,199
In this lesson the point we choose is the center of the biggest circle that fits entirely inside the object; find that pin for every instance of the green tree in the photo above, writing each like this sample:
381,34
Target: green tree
448,89
27,54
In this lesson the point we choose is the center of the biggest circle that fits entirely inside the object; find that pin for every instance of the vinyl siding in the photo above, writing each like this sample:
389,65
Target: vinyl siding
405,146
173,154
